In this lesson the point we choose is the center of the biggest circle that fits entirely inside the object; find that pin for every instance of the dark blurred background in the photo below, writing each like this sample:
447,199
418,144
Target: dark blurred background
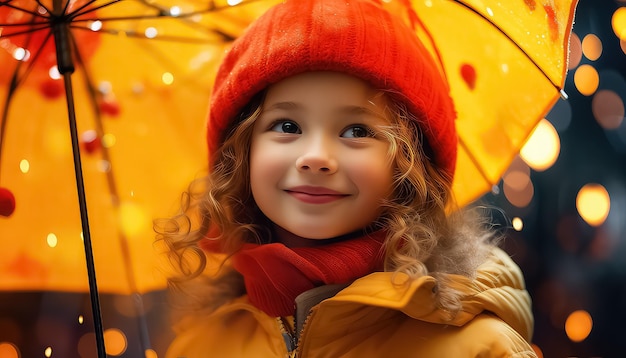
575,263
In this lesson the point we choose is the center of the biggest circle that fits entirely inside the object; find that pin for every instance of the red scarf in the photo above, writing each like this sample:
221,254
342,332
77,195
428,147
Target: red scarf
274,275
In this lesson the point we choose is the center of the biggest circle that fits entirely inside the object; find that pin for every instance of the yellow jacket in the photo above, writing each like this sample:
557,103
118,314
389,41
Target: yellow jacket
373,317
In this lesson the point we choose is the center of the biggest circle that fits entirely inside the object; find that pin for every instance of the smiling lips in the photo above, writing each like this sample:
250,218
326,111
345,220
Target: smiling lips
315,195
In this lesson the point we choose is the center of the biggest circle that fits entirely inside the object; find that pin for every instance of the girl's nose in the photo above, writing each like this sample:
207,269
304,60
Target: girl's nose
317,158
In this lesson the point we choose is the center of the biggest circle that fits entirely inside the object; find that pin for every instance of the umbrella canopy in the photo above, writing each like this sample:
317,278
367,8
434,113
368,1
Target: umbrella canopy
144,91
506,63
142,83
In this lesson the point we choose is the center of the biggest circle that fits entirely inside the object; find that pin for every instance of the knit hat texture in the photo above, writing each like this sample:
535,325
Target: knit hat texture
356,37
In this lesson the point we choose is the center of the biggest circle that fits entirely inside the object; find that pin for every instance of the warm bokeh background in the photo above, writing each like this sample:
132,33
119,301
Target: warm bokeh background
563,218
567,215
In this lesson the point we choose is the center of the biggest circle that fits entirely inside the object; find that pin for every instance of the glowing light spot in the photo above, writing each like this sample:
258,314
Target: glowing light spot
516,179
8,350
542,148
133,219
592,47
578,325
151,353
175,11
517,223
586,79
105,87
115,342
52,240
54,73
104,166
489,11
575,51
608,109
95,25
151,32
618,22
47,352
519,198
81,319
234,2
167,78
21,54
24,166
505,67
593,204
108,140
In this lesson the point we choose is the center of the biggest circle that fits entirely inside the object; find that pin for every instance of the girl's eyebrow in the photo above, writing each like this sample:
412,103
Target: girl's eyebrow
284,105
360,110
346,110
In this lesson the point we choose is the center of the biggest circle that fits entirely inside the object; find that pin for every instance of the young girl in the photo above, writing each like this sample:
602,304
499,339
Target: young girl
326,226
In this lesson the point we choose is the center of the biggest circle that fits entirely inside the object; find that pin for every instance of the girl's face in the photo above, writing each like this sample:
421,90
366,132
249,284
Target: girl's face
318,167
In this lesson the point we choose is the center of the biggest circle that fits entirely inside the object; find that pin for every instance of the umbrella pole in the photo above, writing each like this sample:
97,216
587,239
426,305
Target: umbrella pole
66,68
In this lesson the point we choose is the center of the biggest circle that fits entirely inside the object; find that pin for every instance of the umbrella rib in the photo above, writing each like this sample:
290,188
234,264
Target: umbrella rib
162,13
24,10
138,35
44,7
31,64
474,161
79,12
42,26
558,87
113,190
5,111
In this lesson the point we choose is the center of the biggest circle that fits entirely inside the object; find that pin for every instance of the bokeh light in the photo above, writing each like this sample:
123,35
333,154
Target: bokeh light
593,204
608,109
586,79
8,350
575,51
592,47
24,166
52,240
115,342
542,148
578,325
167,78
133,219
618,22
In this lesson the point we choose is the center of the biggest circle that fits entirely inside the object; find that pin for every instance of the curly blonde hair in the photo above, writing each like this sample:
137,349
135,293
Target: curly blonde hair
426,233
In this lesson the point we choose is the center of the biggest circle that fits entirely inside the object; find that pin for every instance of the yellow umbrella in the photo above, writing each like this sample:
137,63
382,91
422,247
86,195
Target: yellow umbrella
140,90
506,63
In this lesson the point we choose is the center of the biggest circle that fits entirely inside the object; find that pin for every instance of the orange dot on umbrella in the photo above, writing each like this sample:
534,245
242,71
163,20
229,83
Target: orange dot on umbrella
51,89
110,107
468,72
90,141
7,202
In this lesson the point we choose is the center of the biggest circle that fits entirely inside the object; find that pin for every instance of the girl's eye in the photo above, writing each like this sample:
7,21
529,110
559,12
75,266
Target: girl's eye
357,132
285,126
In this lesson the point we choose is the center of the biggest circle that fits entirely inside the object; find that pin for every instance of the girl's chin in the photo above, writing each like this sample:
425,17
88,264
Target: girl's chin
291,239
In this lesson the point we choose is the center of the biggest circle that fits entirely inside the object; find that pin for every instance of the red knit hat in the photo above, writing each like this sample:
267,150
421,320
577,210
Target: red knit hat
356,37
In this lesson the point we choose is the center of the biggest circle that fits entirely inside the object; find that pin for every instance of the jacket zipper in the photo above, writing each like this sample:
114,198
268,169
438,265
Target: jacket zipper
303,310
289,335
